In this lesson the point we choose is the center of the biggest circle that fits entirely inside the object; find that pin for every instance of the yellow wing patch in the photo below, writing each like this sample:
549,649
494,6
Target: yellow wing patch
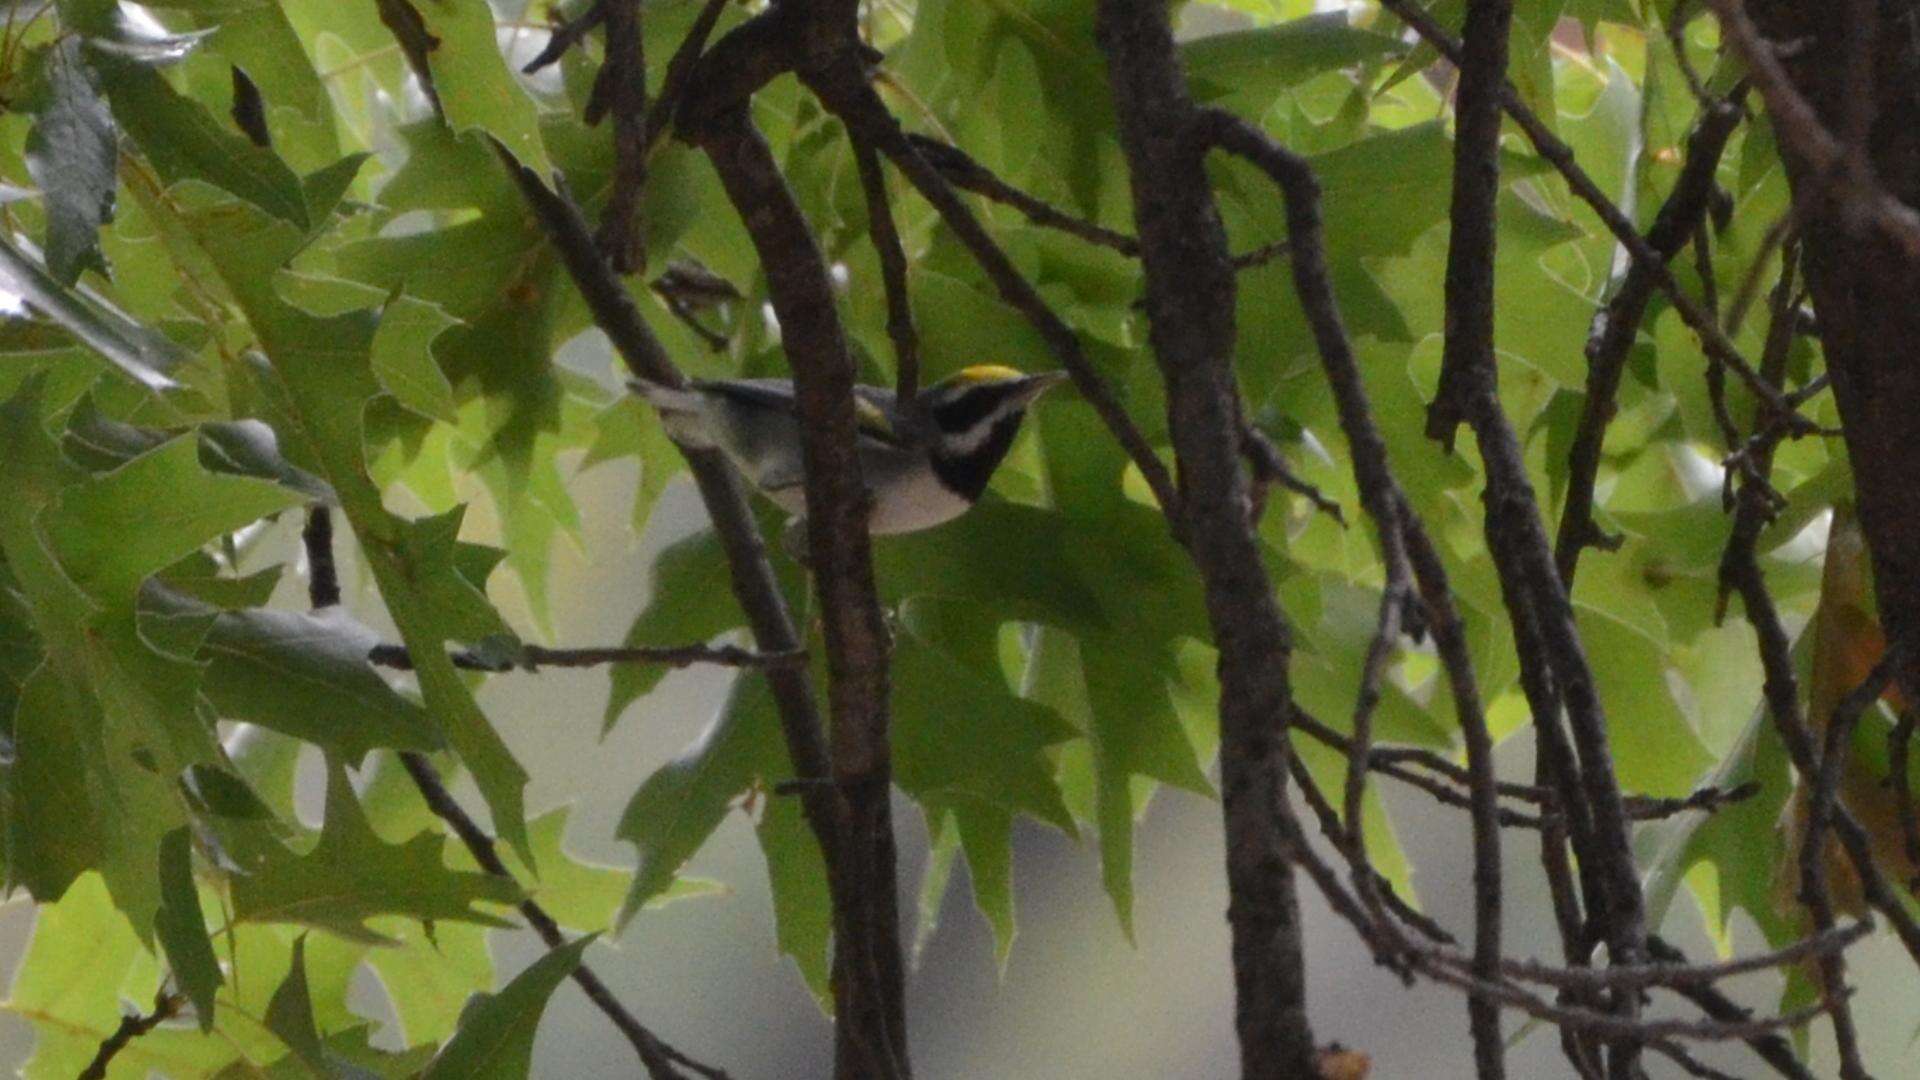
869,418
986,373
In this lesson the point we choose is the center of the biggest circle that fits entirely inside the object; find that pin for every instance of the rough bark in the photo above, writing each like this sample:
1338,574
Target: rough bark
1190,290
1864,282
869,973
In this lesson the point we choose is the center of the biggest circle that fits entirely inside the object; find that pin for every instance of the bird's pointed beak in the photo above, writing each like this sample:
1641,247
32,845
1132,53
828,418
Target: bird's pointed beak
1035,385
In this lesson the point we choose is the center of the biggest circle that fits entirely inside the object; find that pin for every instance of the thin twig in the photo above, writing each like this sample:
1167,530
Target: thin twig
853,100
893,275
1669,975
963,172
1772,1048
655,1054
1559,155
1270,467
534,657
1616,327
680,70
1336,834
567,35
1639,1030
1387,762
687,288
658,1057
165,1007
959,168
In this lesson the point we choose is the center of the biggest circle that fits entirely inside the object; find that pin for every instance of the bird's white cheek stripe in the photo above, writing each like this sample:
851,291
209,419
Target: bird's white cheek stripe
973,438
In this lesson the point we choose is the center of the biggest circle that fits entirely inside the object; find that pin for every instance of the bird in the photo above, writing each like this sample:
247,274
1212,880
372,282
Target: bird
923,469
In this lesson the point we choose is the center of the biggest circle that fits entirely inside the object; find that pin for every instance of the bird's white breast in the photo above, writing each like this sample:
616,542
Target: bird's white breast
908,497
916,501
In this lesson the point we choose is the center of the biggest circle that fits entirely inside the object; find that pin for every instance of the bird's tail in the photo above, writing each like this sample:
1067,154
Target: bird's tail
683,412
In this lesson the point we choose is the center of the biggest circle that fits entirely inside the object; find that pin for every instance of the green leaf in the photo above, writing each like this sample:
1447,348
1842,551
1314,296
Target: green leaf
679,806
943,844
579,895
260,39
73,1005
184,142
308,676
496,1034
352,875
683,607
1261,63
183,930
1740,842
627,428
111,536
797,877
218,792
403,357
430,978
145,357
72,153
476,90
115,716
1003,760
314,389
1655,750
290,1014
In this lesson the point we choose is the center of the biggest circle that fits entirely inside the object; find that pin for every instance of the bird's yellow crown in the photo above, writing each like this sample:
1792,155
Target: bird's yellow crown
984,373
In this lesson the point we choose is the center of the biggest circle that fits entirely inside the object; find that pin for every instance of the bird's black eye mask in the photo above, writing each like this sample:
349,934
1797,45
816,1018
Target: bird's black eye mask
963,412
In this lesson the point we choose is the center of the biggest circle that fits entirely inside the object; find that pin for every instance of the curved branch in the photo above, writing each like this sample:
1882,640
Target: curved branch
869,970
165,1007
847,94
1617,325
656,1056
1713,340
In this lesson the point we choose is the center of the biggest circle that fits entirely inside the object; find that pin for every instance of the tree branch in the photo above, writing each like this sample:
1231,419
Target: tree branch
529,657
165,1007
1848,169
869,971
893,274
1616,326
1558,154
620,90
656,1056
844,90
1190,307
1535,595
754,584
1404,546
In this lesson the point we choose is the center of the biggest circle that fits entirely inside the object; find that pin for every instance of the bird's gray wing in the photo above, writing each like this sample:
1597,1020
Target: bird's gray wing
775,394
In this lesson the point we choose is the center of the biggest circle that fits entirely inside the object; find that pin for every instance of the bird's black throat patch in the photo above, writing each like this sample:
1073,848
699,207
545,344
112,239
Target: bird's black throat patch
966,475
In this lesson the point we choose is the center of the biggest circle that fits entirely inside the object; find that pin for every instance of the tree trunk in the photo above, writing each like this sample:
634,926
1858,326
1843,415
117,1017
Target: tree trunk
1865,284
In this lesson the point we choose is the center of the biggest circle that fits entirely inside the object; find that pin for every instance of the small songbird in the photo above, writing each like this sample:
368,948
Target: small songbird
969,421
